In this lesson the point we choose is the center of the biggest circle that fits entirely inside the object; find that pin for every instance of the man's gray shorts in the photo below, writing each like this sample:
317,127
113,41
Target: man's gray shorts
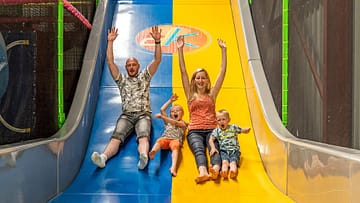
127,122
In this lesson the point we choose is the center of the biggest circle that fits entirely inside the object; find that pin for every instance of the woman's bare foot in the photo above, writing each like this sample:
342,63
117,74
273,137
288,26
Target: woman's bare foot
201,179
213,173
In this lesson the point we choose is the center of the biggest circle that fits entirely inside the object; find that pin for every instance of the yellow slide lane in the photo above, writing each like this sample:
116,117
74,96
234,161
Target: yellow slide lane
214,17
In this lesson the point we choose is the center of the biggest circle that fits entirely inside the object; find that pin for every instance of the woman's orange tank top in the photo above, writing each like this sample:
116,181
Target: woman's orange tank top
202,114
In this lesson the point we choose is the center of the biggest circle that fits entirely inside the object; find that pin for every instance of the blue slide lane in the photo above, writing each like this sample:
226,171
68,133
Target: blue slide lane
120,180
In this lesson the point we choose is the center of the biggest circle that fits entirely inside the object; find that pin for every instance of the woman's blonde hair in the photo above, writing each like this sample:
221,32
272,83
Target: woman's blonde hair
193,87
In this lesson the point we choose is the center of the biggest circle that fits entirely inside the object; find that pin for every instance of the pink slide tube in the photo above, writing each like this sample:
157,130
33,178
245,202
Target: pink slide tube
76,13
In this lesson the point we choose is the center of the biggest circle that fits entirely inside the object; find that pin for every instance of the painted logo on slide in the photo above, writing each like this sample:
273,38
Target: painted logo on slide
195,38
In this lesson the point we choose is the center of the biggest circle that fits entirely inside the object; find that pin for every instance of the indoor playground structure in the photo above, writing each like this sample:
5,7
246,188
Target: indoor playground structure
41,48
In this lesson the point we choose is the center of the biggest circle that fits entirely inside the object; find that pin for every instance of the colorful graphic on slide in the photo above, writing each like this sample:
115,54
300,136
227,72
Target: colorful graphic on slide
195,38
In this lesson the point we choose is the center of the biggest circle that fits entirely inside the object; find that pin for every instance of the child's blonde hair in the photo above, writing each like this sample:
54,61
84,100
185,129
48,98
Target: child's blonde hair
177,105
225,112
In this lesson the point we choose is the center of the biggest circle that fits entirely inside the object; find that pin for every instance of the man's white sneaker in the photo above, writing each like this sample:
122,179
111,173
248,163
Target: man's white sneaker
98,159
143,161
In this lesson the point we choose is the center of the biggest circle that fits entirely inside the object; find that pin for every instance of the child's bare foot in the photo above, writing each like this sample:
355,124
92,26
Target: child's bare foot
201,179
152,154
233,174
224,174
173,172
213,173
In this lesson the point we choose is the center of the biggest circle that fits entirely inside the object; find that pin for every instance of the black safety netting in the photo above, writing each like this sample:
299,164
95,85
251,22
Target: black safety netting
29,58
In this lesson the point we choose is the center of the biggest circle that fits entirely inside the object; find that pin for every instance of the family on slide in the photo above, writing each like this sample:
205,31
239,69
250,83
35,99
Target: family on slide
202,134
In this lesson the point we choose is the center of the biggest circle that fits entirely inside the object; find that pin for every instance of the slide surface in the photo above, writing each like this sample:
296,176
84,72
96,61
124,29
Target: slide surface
201,22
